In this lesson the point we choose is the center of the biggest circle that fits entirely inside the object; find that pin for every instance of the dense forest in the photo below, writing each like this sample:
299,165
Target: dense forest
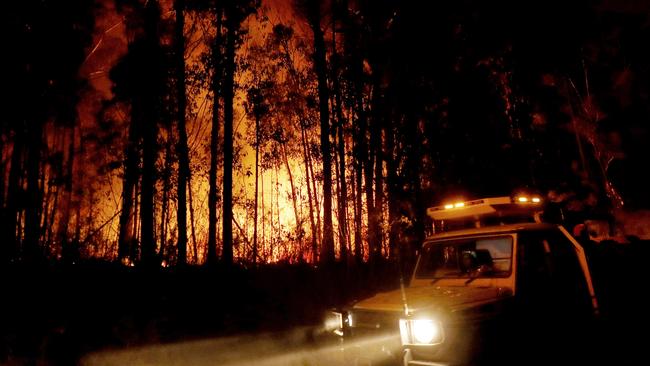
164,133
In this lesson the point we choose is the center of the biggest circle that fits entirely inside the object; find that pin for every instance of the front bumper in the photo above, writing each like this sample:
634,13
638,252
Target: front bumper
367,347
409,361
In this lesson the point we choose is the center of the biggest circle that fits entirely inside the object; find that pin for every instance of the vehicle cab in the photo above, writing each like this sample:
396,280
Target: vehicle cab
508,286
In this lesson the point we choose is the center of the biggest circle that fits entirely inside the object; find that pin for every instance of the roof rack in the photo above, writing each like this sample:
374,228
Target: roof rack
519,206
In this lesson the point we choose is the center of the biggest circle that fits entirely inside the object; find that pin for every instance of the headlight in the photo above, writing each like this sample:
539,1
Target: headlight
333,320
420,331
337,322
425,331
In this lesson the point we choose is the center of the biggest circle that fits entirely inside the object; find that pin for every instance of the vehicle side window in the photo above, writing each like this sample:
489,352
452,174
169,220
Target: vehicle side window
534,267
550,272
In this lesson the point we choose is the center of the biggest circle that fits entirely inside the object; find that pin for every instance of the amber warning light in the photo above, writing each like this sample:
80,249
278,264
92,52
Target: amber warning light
504,206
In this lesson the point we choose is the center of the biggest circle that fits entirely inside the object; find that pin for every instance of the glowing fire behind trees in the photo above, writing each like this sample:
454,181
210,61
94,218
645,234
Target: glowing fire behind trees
401,123
290,172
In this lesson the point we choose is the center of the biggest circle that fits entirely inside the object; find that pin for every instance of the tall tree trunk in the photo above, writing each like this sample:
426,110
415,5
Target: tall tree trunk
271,219
343,190
76,238
46,195
214,145
55,173
135,233
147,243
393,192
374,162
314,231
257,181
32,250
367,159
228,99
149,120
277,206
164,214
355,65
90,217
49,240
376,144
195,253
314,189
69,252
320,68
358,213
343,199
263,250
182,148
314,217
128,194
294,198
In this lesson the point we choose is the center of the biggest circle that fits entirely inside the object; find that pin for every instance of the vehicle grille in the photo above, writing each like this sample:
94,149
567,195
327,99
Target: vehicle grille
386,321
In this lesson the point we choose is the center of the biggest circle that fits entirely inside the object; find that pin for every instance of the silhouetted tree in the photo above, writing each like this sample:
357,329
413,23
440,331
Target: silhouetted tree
235,13
216,82
313,13
182,148
47,42
140,81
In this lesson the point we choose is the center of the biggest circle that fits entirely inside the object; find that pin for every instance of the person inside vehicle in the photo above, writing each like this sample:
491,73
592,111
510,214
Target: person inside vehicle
484,259
477,262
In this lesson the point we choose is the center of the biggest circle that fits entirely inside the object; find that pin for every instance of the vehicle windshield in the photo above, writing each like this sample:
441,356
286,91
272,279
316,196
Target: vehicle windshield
466,258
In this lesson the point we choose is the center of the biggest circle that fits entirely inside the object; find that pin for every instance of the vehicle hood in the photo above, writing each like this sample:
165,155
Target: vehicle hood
428,297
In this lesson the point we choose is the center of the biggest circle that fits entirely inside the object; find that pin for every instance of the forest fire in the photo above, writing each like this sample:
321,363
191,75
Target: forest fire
280,200
280,205
256,156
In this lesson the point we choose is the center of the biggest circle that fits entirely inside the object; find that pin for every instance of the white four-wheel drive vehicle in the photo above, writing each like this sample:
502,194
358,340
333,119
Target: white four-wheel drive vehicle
510,289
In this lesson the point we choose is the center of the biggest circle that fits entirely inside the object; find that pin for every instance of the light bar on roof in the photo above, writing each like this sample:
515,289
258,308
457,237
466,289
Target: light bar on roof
527,199
471,209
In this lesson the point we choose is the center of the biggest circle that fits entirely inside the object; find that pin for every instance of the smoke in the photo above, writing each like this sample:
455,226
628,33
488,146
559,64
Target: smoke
108,46
296,347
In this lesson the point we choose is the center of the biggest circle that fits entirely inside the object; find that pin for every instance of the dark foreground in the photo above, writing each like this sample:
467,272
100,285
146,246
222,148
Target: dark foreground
58,315
105,314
